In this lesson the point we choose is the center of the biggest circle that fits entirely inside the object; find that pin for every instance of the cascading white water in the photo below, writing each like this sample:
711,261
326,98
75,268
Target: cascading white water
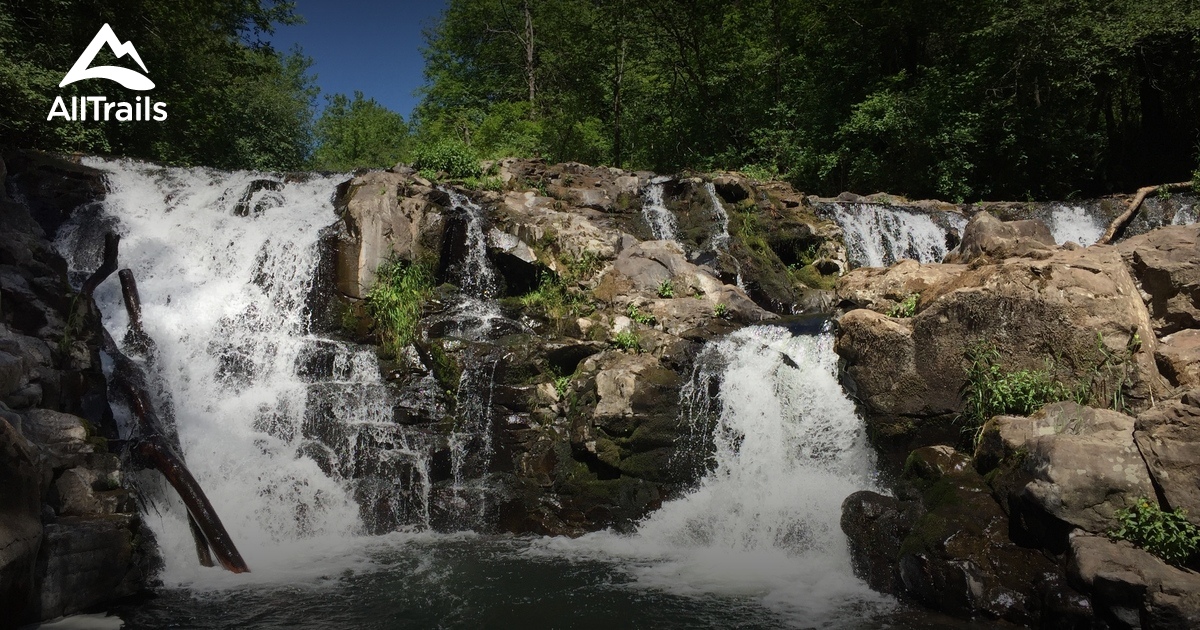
268,416
788,447
1076,224
720,237
1185,215
477,311
878,235
719,242
655,212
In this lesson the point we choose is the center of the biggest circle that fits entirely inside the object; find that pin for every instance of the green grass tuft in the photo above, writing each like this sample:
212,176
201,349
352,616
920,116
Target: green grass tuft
395,302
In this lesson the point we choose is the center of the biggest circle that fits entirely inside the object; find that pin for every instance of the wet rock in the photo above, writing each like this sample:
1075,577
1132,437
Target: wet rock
987,236
1178,357
1166,264
53,187
260,195
1169,439
945,543
84,563
875,526
1131,588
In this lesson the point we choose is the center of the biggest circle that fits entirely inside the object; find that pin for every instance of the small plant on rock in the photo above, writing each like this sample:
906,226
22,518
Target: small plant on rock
634,313
991,390
562,385
395,302
905,308
628,340
721,311
1168,535
666,289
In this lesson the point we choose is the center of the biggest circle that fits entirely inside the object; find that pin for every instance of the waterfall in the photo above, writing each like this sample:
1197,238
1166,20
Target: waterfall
273,421
1075,223
720,237
477,314
1185,215
787,447
655,212
879,235
719,242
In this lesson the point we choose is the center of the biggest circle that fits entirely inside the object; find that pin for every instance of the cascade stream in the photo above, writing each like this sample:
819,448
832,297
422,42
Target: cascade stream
294,438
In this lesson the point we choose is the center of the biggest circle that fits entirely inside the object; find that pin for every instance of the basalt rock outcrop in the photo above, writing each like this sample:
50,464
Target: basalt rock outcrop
70,536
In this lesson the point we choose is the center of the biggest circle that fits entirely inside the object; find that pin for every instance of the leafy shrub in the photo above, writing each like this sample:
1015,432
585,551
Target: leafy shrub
721,311
628,340
906,308
666,289
395,302
455,158
991,390
1168,535
484,183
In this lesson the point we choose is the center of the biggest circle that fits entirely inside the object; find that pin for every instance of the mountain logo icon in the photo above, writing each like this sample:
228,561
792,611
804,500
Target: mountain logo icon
129,78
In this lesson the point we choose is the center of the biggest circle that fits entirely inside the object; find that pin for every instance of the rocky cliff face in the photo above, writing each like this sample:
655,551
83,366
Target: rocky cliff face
70,536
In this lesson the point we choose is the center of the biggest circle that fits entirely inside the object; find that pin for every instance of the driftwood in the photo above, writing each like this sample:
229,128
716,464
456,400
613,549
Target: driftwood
1119,223
148,442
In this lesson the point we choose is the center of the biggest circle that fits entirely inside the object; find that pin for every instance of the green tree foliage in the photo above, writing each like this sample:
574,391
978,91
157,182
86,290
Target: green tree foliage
358,133
232,100
963,99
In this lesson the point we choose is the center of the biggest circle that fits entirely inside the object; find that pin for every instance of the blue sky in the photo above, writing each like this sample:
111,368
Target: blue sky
371,45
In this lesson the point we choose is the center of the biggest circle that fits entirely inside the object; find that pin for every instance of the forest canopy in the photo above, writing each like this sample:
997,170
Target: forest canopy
962,100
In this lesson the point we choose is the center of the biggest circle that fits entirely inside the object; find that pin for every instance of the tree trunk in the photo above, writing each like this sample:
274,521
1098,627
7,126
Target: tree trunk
529,69
1119,222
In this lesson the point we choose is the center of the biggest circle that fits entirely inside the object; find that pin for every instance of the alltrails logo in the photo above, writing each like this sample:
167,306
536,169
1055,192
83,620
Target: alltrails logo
143,107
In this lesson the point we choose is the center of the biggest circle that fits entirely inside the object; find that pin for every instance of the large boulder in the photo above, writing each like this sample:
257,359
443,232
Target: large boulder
385,214
1166,264
945,543
1169,438
1076,313
1131,588
1081,463
1178,357
882,288
987,237
641,270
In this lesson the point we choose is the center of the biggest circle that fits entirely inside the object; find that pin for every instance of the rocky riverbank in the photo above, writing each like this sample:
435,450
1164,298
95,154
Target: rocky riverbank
537,385
1015,523
70,535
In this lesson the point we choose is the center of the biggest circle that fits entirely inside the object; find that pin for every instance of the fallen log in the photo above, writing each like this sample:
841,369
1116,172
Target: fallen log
1119,223
137,339
148,442
111,240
